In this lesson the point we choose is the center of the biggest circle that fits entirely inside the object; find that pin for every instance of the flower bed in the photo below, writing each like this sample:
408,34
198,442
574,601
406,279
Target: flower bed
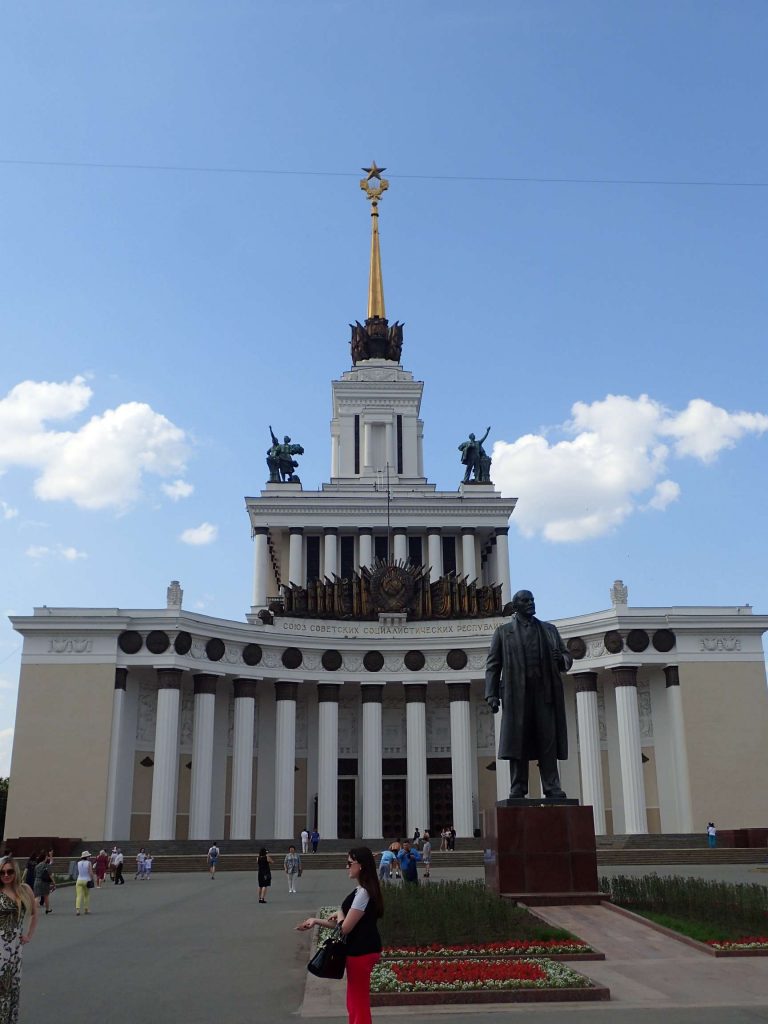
414,981
749,944
512,948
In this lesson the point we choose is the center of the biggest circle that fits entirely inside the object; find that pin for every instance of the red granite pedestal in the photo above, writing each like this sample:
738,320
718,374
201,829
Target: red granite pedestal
542,852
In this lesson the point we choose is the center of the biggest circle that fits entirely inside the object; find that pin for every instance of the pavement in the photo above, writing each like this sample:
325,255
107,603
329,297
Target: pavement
181,949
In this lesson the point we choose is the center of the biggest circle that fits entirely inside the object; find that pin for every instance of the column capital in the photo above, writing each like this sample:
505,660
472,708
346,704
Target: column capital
245,688
328,693
121,678
434,531
169,678
330,531
625,675
586,682
366,531
458,691
260,530
415,693
467,531
296,531
399,531
672,675
371,693
205,683
286,689
502,531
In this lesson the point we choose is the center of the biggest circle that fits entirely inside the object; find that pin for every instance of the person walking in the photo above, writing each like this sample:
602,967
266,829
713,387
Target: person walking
264,868
18,921
119,861
147,874
213,856
304,840
315,839
29,871
139,864
100,868
44,883
711,835
112,859
385,865
292,865
408,858
83,883
426,854
359,913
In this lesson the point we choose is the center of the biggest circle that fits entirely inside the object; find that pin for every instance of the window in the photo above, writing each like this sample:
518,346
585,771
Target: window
449,555
313,558
347,557
415,554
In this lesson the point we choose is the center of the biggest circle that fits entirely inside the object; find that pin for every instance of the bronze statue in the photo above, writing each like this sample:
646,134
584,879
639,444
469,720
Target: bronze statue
476,459
522,674
280,461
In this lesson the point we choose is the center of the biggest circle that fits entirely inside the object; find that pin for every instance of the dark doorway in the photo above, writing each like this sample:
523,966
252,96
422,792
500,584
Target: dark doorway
393,808
346,809
440,805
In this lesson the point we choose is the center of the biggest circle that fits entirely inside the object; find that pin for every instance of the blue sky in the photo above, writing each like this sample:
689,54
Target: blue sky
154,322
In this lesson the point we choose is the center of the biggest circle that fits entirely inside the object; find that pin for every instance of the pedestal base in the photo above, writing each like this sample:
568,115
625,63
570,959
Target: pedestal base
542,851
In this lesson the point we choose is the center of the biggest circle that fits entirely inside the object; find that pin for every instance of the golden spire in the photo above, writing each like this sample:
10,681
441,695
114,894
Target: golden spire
375,283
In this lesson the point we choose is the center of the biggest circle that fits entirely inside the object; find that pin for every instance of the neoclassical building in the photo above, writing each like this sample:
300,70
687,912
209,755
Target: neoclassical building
351,696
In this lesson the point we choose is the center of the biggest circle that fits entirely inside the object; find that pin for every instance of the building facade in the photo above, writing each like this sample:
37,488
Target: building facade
351,695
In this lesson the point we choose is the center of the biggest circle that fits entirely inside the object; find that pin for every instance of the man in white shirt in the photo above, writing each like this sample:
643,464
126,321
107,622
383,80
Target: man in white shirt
304,841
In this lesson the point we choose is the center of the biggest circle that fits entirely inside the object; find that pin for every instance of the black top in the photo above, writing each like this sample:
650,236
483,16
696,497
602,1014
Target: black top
364,937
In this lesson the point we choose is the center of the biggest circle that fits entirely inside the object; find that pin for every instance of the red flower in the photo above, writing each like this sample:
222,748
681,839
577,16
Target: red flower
452,971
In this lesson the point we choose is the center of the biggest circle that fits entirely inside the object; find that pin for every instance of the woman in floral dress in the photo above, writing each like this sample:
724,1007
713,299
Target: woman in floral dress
17,906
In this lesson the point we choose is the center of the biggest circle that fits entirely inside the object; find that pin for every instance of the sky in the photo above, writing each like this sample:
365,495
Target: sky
574,236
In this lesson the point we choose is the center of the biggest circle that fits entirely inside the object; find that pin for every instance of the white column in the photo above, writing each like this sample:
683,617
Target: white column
502,563
118,706
327,759
370,760
261,567
417,796
679,750
296,556
435,554
201,795
334,455
503,776
628,721
589,747
468,559
242,760
461,759
162,819
401,546
367,454
330,550
285,758
390,448
366,547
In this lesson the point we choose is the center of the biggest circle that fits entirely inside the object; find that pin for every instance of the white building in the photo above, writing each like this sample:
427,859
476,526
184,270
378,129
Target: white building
373,723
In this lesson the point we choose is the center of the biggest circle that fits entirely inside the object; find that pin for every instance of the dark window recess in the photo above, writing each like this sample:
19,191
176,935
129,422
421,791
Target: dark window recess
347,766
449,555
357,444
399,444
438,766
313,558
394,766
347,557
414,551
380,547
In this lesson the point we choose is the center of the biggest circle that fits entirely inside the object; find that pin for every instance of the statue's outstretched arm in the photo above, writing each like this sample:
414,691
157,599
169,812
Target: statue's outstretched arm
485,435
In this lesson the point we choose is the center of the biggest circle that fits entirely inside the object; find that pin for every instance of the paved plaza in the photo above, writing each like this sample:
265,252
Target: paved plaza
181,949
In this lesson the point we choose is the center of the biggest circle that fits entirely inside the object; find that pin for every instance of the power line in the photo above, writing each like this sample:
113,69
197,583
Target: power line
514,179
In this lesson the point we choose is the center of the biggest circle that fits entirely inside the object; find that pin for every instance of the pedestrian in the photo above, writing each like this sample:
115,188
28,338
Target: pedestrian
119,861
395,848
315,839
444,840
29,871
358,916
416,837
83,882
292,865
112,858
385,865
711,835
139,864
304,840
426,854
18,920
452,839
264,868
408,858
102,861
44,883
147,866
213,856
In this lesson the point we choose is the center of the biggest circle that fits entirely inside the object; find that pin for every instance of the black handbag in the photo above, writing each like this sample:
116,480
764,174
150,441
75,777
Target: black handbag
330,960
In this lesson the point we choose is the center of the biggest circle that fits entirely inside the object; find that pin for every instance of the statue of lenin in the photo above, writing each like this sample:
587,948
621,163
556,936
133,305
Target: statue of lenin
522,672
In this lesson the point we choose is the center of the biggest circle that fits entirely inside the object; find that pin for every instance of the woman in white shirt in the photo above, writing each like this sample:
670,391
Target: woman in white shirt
82,888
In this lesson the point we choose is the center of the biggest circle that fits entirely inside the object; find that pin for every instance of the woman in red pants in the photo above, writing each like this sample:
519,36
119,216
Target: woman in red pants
358,916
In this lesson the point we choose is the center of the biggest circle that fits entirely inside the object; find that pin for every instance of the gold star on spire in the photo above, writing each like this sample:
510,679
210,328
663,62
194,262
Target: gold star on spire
373,171
374,193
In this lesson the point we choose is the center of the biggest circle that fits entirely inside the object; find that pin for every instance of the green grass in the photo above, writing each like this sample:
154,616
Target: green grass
455,912
699,930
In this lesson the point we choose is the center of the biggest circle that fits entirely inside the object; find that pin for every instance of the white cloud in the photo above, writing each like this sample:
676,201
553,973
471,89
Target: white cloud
205,533
65,551
615,452
178,489
98,465
7,511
